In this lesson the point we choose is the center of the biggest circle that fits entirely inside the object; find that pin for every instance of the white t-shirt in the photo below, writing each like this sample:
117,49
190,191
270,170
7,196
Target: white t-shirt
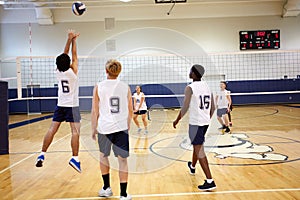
68,88
200,103
138,98
113,106
222,99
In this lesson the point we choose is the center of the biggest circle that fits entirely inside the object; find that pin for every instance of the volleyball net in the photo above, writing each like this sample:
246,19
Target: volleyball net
165,76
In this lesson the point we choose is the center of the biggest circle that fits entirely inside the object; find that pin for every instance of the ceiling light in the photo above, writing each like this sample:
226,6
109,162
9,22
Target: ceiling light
125,0
170,1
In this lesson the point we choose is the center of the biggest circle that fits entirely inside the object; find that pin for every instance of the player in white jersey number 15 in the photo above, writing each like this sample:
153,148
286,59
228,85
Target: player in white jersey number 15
199,100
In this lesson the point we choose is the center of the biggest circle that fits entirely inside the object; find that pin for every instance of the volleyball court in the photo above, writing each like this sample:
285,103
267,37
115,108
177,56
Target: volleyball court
253,78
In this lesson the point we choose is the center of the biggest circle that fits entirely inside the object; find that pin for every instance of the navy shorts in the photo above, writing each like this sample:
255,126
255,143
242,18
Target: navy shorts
118,141
197,133
68,114
221,112
140,112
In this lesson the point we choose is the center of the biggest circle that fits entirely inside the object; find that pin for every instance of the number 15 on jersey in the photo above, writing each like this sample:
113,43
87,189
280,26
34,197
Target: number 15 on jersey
204,102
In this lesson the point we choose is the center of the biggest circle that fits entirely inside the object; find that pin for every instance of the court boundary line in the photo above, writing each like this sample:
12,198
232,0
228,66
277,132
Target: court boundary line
20,161
190,193
29,121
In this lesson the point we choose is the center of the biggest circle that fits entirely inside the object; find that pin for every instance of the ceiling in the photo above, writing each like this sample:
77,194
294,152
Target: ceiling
55,4
53,11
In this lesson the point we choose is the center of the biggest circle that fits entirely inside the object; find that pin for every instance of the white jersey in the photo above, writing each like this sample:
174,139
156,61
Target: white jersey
68,88
200,103
222,99
113,106
138,98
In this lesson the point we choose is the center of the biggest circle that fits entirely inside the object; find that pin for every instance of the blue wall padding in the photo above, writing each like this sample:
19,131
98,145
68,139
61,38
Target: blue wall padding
265,86
248,86
163,89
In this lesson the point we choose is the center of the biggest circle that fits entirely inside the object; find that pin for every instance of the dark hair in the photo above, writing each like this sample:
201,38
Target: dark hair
224,82
198,70
140,88
63,62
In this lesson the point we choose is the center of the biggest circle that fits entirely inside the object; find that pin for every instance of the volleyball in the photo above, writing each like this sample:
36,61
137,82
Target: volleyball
78,8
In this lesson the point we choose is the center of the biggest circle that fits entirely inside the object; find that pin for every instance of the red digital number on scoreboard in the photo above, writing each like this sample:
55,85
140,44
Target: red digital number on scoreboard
261,33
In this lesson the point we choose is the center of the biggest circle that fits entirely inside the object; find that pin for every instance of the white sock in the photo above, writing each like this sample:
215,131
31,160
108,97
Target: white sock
42,153
209,180
192,166
75,158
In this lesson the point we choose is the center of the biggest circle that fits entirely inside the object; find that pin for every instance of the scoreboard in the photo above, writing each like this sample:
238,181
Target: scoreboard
261,39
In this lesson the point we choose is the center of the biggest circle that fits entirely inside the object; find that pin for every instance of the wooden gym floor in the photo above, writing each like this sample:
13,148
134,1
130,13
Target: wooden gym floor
259,160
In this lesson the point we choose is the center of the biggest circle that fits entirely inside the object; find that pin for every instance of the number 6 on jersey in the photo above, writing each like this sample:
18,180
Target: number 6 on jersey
65,86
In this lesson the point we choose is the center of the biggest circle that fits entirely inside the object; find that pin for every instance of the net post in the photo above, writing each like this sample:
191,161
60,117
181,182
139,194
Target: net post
19,77
4,144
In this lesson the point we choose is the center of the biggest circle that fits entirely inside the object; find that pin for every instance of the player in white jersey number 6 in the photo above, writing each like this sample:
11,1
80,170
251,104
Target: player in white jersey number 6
67,108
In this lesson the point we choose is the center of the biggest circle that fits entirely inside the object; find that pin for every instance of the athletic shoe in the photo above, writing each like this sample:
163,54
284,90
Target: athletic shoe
126,198
192,171
222,127
227,130
207,186
39,161
105,193
139,130
146,132
75,165
230,124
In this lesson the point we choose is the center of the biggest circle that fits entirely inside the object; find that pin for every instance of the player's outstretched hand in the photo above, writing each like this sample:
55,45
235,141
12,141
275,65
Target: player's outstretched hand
72,34
76,35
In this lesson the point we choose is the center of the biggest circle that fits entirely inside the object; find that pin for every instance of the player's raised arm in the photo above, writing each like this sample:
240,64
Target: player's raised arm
74,64
69,41
95,112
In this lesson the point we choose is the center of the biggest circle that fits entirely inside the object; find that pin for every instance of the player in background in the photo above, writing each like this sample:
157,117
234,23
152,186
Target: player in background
111,117
230,108
229,115
140,108
67,108
223,101
199,100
